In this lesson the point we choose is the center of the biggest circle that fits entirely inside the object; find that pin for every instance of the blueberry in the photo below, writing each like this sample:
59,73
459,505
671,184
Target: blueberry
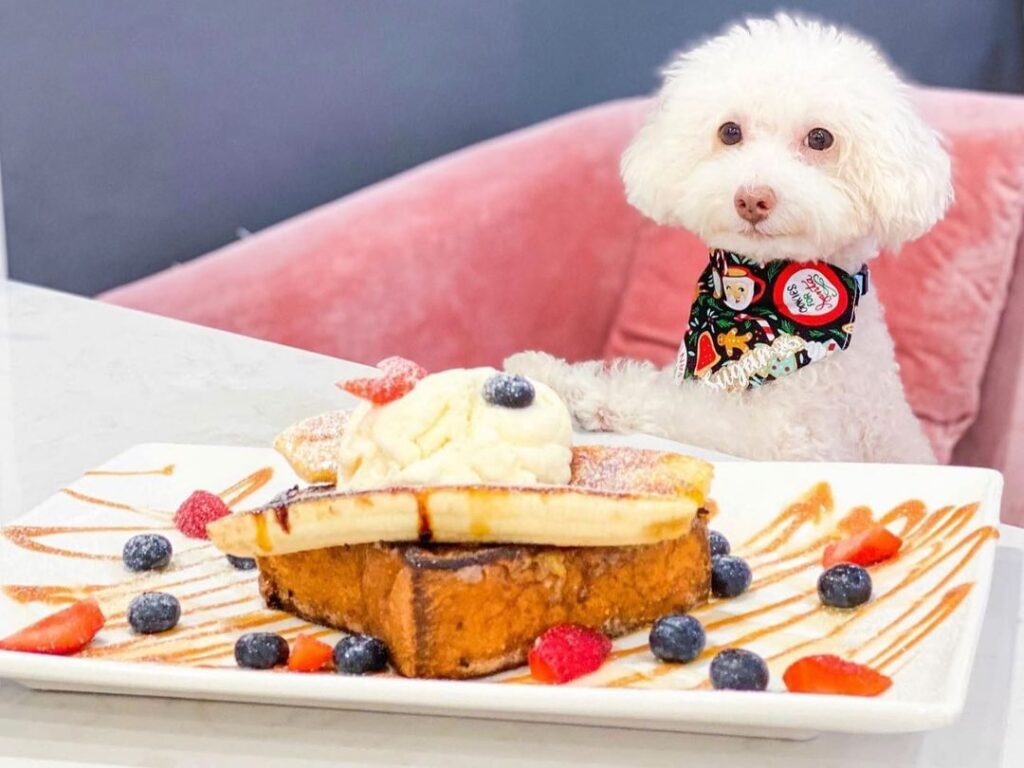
242,563
153,612
360,654
730,576
737,670
261,650
844,586
509,390
718,543
677,637
146,552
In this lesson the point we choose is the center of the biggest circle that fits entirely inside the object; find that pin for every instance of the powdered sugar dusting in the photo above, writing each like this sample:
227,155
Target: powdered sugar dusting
632,470
311,445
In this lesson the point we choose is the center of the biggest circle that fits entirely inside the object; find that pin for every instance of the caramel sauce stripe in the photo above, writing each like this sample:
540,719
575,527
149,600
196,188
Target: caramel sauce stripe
166,471
917,631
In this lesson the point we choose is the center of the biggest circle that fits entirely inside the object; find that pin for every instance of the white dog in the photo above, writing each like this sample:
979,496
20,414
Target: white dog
790,148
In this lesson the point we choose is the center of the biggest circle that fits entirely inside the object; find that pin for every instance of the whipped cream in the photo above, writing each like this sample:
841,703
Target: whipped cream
444,432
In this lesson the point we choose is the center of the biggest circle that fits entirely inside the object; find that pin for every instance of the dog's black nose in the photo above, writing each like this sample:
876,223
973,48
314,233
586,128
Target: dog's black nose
754,204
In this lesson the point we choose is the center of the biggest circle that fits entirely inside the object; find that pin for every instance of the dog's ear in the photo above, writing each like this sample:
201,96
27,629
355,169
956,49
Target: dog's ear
647,169
903,172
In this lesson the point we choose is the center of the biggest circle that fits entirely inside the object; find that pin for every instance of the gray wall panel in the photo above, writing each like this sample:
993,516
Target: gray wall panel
138,134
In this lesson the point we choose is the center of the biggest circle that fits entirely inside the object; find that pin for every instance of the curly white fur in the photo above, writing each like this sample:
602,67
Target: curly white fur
884,181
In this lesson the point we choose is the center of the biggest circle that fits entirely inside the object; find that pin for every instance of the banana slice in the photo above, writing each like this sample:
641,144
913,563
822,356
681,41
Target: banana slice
616,497
558,516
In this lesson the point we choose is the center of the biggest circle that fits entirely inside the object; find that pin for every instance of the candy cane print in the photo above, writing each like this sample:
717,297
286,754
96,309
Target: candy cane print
762,323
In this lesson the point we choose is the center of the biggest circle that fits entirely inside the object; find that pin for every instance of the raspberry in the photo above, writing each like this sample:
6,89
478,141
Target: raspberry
199,509
567,651
400,376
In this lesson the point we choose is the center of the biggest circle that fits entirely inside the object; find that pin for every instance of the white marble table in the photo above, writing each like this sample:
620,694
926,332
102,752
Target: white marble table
80,381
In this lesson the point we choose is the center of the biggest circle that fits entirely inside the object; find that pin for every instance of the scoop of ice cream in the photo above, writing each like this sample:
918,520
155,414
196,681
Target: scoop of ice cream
446,432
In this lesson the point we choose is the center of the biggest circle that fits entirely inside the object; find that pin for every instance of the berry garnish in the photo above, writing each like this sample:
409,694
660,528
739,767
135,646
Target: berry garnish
146,552
509,390
153,612
309,654
730,576
677,637
567,651
831,674
242,563
360,655
844,586
872,546
199,509
400,376
66,631
261,650
735,669
718,543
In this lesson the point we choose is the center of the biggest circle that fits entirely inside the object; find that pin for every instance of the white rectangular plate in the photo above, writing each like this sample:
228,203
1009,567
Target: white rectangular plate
921,627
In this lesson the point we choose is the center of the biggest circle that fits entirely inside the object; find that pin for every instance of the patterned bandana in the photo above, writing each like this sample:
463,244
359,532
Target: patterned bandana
752,323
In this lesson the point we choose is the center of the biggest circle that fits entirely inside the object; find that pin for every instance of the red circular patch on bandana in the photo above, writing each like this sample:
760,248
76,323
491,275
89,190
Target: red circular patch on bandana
810,293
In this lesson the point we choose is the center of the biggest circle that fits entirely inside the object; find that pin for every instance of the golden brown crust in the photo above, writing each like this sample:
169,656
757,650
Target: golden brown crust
465,611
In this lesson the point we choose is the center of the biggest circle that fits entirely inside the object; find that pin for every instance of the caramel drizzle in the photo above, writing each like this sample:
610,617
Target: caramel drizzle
809,508
914,635
168,470
242,490
25,536
976,539
247,486
919,530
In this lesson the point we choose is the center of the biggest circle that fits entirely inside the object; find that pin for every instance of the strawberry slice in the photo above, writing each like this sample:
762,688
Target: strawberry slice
567,651
400,376
309,654
64,632
831,674
872,546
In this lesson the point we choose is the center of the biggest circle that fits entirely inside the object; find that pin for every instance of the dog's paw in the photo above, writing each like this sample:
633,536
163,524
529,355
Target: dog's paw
539,366
580,385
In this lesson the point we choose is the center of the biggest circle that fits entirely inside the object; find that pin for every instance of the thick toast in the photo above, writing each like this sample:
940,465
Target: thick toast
464,611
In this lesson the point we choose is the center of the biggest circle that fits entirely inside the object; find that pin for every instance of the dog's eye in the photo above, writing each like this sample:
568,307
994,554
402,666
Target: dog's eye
730,133
819,139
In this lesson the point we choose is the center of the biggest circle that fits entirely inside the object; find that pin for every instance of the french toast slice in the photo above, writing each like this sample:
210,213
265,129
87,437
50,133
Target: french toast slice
458,611
467,610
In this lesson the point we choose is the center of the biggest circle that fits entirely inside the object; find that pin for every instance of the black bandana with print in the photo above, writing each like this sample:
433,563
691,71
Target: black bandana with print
752,323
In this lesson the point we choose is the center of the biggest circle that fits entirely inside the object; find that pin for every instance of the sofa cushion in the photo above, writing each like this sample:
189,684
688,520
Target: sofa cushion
961,268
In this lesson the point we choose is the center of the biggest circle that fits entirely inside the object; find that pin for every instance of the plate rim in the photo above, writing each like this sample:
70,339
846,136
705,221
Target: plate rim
635,708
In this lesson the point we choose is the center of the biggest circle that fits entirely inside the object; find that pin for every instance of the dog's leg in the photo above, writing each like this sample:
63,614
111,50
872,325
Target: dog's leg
630,396
599,400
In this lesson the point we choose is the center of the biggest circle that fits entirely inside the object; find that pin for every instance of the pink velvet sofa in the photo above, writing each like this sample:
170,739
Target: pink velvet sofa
527,242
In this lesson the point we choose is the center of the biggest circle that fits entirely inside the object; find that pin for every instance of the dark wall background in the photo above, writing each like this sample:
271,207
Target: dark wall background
139,133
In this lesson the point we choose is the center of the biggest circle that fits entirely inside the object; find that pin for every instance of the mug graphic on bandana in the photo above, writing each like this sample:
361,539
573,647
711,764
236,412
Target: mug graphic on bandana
753,323
740,287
